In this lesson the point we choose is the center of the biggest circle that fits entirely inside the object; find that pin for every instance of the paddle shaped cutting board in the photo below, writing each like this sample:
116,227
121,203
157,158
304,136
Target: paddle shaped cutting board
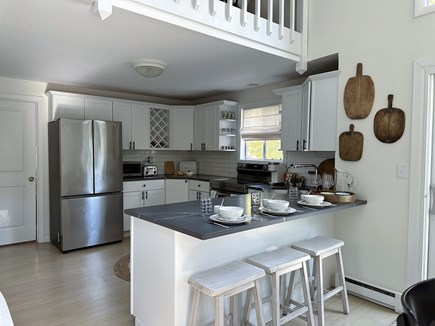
359,95
169,167
351,145
389,123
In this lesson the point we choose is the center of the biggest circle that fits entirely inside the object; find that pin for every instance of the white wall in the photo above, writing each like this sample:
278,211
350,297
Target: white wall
386,38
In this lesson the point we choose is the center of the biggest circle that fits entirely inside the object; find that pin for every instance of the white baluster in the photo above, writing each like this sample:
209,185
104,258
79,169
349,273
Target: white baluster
269,16
228,9
177,1
212,8
257,15
292,15
301,66
244,12
195,4
281,20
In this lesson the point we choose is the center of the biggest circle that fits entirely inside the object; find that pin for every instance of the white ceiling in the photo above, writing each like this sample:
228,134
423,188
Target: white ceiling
65,42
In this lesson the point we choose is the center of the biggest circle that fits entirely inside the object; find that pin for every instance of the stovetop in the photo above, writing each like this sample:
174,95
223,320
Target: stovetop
237,185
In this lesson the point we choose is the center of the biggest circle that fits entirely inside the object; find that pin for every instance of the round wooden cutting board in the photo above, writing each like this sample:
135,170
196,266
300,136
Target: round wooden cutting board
389,123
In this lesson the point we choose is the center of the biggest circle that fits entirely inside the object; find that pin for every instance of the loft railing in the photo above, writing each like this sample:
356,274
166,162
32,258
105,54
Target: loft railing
280,31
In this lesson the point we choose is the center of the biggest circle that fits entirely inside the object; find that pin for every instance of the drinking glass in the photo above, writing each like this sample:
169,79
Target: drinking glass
206,206
256,198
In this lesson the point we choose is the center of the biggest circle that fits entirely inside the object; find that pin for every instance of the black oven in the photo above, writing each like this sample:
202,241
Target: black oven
131,169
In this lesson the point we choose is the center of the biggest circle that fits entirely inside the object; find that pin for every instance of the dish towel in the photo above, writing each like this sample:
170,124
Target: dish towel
5,315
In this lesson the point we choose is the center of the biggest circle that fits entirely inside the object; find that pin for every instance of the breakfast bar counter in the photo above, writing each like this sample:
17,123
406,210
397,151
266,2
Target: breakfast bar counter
169,243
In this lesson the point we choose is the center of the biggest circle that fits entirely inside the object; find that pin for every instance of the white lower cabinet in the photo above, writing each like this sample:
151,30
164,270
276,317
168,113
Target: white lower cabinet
198,189
176,191
141,194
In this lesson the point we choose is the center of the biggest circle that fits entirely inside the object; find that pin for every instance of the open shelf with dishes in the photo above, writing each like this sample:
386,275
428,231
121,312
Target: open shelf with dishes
228,127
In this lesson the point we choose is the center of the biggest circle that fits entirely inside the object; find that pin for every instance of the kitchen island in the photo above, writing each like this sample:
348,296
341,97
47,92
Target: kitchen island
171,242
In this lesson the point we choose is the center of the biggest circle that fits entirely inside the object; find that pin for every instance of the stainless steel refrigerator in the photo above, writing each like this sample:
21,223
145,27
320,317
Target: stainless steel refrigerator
85,171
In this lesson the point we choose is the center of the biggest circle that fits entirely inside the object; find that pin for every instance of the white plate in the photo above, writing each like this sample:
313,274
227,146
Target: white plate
268,210
240,220
321,205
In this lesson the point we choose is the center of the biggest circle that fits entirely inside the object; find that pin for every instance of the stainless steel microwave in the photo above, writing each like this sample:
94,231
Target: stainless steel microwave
132,169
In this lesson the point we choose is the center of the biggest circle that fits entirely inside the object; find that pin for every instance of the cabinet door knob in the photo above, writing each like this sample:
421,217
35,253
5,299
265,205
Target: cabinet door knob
31,179
144,185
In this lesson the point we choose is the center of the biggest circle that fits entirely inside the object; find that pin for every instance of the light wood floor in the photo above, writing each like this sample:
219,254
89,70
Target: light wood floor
45,287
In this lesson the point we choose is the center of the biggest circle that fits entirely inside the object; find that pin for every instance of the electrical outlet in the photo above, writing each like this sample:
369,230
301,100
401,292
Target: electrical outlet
401,171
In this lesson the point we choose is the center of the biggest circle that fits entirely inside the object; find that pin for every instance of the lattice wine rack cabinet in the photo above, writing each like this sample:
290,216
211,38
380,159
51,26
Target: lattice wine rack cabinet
159,128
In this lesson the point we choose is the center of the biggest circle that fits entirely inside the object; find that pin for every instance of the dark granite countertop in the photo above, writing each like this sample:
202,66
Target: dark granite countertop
186,218
200,177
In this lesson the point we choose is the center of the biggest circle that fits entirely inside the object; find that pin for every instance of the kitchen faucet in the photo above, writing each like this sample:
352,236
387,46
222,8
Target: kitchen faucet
304,165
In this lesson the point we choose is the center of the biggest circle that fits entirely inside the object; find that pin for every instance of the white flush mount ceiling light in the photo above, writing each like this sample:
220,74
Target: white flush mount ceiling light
149,67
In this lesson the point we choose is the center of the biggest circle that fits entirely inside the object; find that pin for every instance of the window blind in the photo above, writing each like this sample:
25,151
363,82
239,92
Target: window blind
261,123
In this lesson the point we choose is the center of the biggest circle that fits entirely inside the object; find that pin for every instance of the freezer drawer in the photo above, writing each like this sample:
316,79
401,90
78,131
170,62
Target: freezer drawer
92,220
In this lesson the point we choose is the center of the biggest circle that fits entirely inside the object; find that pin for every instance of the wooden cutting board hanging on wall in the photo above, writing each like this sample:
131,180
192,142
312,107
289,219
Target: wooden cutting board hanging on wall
359,95
389,123
351,145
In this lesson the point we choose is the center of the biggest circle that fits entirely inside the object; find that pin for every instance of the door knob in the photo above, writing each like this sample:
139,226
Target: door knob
31,179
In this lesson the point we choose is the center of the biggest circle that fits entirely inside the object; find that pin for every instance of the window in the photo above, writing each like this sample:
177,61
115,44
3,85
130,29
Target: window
261,133
423,7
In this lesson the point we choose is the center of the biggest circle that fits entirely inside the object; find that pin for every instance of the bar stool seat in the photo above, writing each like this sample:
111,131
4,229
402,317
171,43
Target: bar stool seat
227,281
320,248
277,263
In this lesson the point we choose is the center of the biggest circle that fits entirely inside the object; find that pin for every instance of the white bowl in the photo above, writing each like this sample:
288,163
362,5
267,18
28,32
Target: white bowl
265,202
230,212
312,199
189,173
216,208
277,204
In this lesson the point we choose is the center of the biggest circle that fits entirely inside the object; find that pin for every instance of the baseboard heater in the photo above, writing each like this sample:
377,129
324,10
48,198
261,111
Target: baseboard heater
375,294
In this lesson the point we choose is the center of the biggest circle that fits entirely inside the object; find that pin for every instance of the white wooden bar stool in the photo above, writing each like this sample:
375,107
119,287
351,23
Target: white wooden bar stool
227,281
277,263
320,248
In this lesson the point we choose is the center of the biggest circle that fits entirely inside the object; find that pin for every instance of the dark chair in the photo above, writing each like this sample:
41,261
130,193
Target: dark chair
418,302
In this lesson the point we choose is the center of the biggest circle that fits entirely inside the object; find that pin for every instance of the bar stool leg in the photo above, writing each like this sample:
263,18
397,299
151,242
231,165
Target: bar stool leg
247,308
307,298
276,311
340,269
319,285
258,304
194,308
219,311
233,310
290,289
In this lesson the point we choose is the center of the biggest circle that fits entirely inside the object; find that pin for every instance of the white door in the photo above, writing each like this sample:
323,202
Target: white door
17,172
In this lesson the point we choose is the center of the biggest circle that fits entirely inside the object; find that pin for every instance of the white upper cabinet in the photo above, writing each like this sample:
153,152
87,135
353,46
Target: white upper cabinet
65,105
211,122
78,106
181,127
291,126
135,120
98,109
309,114
159,124
323,106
